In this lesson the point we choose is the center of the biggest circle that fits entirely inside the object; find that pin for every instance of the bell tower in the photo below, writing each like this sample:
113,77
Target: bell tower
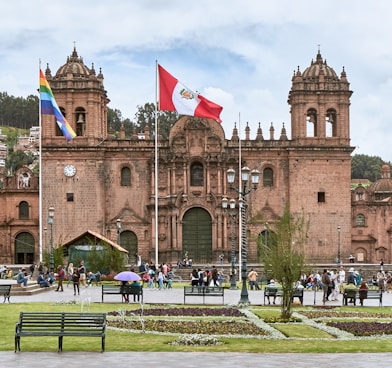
320,103
82,99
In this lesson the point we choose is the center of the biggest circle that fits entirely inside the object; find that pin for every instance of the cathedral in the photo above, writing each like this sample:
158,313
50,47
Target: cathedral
108,184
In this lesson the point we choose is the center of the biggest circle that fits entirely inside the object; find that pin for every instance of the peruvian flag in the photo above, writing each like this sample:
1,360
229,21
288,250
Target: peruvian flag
174,96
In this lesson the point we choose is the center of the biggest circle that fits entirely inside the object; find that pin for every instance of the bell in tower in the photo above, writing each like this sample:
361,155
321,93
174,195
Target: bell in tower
80,124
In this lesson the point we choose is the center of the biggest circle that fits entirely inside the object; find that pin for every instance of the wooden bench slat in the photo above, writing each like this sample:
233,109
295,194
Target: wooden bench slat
355,294
129,289
278,293
5,290
204,291
60,325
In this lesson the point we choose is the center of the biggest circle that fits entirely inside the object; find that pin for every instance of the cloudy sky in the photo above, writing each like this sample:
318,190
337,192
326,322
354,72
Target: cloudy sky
240,54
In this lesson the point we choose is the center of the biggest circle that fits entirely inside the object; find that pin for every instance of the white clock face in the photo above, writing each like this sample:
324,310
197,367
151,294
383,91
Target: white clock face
69,170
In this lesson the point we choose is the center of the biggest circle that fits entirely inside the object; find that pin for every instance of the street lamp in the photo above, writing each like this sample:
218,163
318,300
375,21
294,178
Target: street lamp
50,222
118,231
233,214
243,192
338,260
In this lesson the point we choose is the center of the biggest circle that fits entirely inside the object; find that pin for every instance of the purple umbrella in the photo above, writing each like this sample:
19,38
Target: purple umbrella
127,276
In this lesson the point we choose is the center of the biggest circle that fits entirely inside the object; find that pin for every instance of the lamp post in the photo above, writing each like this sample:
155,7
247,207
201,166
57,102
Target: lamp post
118,231
338,260
233,214
50,222
243,191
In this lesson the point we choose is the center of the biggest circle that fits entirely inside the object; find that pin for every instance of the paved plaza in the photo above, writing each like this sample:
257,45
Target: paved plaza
92,294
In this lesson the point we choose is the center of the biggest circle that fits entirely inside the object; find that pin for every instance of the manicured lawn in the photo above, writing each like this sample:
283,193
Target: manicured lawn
303,337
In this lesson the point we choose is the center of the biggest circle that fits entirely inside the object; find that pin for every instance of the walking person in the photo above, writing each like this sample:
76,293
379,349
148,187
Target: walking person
32,268
60,278
325,281
381,280
252,276
341,279
75,281
160,279
214,277
82,273
334,286
70,270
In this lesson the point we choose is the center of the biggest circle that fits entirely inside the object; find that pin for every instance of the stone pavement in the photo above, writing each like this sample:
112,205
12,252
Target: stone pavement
92,294
193,360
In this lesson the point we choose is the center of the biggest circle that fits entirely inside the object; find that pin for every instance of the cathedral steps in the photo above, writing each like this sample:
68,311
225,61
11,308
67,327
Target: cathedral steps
32,288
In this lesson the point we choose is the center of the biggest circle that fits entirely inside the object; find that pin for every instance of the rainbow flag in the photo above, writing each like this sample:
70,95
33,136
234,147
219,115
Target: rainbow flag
49,107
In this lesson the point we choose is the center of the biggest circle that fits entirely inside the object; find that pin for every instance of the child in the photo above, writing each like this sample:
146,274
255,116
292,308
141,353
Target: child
75,280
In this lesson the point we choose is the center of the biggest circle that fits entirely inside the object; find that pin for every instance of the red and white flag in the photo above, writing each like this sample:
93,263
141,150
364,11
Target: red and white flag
174,96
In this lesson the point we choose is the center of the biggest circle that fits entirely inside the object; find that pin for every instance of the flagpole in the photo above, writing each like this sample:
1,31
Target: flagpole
156,164
40,170
240,197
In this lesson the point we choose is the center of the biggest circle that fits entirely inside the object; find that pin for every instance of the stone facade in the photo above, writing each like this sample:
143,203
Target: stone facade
115,177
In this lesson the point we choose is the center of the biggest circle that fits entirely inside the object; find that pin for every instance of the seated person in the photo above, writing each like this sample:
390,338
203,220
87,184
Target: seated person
50,277
42,281
136,283
125,296
272,287
22,278
91,278
363,289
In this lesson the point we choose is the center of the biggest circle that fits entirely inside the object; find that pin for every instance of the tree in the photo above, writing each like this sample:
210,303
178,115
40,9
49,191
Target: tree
366,167
284,256
18,111
16,160
105,259
145,116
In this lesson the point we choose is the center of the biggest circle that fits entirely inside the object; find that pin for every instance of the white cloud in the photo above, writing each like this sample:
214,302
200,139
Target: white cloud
240,54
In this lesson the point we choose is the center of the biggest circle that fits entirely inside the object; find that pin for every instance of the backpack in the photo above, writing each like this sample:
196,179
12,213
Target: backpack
61,274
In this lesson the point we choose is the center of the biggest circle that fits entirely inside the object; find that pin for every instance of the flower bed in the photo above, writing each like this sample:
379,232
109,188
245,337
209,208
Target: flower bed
191,327
363,328
235,322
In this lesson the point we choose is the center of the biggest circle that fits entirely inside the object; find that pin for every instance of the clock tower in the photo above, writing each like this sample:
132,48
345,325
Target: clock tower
71,170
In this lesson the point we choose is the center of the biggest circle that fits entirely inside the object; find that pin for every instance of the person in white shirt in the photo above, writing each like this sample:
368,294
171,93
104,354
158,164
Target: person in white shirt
341,278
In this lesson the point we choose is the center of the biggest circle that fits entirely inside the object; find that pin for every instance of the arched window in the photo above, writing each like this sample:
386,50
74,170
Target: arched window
125,177
330,123
359,196
80,113
268,177
23,210
360,220
24,248
58,131
311,123
197,174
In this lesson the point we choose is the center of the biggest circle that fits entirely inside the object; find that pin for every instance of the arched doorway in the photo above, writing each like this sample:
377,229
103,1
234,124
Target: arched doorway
24,248
128,240
197,235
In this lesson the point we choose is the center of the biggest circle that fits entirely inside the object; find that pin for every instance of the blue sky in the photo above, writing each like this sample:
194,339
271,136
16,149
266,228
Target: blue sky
240,54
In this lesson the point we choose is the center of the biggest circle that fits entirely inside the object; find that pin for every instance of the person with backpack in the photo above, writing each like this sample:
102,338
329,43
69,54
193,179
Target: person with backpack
60,278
